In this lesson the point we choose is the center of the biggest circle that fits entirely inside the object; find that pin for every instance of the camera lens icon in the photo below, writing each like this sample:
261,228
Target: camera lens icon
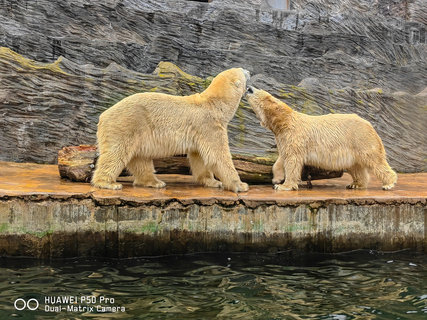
31,304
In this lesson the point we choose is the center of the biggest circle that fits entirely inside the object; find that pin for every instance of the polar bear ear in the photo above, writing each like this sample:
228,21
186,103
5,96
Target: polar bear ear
237,83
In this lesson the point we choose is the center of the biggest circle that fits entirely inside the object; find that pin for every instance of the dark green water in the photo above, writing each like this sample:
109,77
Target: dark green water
356,285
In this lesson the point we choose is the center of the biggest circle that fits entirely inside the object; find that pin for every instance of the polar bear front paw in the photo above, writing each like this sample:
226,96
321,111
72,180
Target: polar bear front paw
243,187
212,183
110,186
155,183
388,186
277,180
158,184
355,186
352,186
285,187
239,187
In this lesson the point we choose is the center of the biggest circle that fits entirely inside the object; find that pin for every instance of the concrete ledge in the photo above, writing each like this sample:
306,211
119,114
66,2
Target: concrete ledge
43,216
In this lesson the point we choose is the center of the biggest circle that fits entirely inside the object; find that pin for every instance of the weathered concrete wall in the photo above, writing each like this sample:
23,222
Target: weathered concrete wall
85,227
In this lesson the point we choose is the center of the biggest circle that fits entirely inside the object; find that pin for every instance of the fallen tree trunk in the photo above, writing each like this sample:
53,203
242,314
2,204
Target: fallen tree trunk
77,163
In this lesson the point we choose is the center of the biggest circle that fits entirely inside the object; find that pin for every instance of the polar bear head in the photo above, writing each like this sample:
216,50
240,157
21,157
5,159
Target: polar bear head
259,100
228,86
267,108
225,92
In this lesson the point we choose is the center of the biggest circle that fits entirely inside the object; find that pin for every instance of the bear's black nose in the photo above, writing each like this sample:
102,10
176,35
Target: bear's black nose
250,90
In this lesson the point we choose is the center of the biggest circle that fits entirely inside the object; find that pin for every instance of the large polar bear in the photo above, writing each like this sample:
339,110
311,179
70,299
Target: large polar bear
146,126
331,142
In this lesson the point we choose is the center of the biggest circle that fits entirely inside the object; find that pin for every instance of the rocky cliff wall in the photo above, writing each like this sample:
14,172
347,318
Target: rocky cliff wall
64,62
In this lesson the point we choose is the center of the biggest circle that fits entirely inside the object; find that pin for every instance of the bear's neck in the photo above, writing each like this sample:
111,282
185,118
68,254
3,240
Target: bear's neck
224,106
228,109
278,117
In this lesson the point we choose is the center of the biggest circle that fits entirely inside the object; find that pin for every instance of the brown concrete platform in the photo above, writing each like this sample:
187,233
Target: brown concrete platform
42,215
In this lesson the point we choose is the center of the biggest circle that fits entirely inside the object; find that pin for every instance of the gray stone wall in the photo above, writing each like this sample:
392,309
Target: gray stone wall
364,57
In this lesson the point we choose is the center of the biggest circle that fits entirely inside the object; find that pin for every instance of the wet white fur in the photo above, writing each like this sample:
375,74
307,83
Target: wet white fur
331,142
146,126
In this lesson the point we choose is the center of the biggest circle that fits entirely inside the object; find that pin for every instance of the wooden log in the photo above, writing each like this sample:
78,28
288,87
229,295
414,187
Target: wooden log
77,163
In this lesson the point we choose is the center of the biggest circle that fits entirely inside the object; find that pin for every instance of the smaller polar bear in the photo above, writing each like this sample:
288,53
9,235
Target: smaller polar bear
146,126
331,142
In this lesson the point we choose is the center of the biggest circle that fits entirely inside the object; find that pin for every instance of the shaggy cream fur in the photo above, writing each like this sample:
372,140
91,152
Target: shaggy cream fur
146,126
331,142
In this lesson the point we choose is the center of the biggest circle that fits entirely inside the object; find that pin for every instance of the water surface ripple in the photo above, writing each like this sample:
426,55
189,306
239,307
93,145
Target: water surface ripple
357,285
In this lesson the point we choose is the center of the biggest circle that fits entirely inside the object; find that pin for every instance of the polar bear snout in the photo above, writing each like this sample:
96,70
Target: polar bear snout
253,93
247,74
250,91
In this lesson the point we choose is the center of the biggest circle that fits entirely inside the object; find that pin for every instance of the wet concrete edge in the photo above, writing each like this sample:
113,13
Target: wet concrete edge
46,227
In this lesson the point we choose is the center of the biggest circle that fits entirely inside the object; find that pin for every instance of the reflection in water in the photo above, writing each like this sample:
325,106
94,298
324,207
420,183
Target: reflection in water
358,285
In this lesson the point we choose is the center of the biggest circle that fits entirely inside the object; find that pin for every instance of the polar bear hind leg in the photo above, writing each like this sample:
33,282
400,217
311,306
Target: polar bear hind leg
360,176
200,173
143,171
216,154
376,162
293,169
385,173
278,171
109,166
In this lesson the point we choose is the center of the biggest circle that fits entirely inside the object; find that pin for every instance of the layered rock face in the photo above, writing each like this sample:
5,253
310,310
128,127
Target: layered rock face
63,62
